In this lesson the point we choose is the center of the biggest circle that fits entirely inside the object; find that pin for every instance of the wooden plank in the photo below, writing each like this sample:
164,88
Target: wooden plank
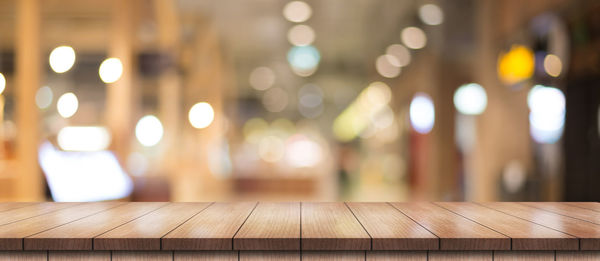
11,235
588,233
577,255
331,226
15,215
455,232
333,255
4,206
269,256
460,256
212,229
567,210
145,232
142,256
23,256
595,206
206,256
79,255
78,234
396,256
525,235
271,226
392,230
523,255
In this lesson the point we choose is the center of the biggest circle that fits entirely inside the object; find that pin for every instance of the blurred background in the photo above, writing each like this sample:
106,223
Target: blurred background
358,100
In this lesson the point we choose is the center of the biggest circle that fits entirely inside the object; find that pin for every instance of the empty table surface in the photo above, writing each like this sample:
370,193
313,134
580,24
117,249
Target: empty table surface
300,226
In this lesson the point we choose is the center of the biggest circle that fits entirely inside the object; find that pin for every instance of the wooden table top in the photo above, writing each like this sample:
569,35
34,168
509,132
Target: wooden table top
299,226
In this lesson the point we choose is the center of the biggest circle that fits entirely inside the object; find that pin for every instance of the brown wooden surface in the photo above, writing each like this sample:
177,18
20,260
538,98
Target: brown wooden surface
78,235
142,256
523,255
396,256
525,235
206,256
455,232
587,205
332,226
588,233
79,255
23,256
271,226
460,256
4,206
14,215
392,230
577,255
212,229
567,210
269,256
11,235
145,232
333,255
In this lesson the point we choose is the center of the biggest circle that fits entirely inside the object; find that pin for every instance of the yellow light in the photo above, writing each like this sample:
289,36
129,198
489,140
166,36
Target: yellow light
201,115
62,59
110,70
67,105
516,65
552,65
2,83
149,130
254,129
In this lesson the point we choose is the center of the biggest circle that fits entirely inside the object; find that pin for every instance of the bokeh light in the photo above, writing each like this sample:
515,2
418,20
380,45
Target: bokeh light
2,83
552,65
301,35
43,97
62,59
547,113
431,14
516,65
303,58
310,101
83,138
149,130
110,70
470,99
262,78
422,113
401,53
302,152
271,148
275,99
413,38
387,66
67,105
297,11
201,115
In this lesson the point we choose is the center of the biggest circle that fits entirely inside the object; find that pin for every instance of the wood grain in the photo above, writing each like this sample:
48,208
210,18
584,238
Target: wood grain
567,210
206,256
525,235
392,230
11,235
396,256
78,234
23,256
142,256
587,205
455,232
523,255
588,233
145,232
271,226
79,255
331,226
4,206
14,215
212,229
269,256
577,255
333,255
460,256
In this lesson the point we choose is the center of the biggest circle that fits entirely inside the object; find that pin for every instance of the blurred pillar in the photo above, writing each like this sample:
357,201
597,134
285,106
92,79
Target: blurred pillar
119,102
29,184
169,98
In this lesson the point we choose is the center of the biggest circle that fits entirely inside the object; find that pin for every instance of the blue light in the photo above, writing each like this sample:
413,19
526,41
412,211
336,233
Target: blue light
303,57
